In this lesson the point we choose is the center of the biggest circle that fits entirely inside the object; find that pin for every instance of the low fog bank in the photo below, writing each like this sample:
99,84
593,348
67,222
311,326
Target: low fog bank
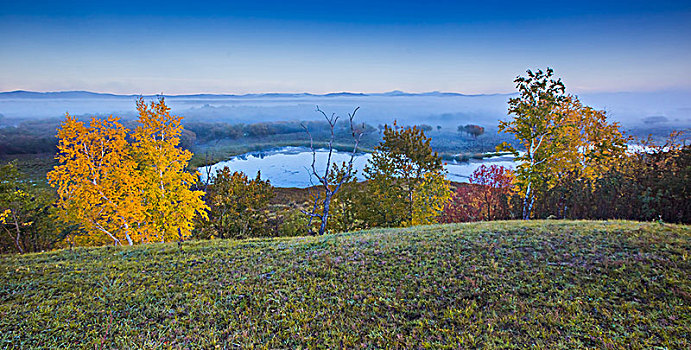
667,109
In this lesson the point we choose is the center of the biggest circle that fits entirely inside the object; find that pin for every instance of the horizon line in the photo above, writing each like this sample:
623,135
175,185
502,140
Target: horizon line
326,94
221,94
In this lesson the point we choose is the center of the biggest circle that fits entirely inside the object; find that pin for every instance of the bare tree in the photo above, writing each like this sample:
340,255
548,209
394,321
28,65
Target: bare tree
329,184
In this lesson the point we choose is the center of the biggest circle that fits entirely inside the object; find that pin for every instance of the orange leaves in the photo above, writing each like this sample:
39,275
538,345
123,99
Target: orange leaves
121,192
169,203
157,125
96,180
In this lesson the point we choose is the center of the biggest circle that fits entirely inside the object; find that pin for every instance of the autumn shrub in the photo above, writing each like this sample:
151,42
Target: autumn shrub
291,223
27,220
488,196
345,207
649,184
464,205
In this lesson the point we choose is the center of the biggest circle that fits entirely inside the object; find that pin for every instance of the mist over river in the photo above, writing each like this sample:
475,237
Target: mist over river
291,166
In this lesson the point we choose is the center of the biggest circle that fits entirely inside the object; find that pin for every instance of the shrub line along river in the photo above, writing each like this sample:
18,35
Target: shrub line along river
290,166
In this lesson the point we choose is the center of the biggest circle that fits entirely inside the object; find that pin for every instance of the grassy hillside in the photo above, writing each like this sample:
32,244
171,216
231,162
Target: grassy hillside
544,284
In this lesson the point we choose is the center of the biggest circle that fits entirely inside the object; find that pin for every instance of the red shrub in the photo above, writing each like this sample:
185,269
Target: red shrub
487,197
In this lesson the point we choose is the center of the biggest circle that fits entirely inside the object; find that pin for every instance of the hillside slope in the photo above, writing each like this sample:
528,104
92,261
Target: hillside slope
550,284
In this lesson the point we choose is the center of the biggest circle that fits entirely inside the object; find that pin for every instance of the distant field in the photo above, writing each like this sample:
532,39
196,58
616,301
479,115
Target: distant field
542,284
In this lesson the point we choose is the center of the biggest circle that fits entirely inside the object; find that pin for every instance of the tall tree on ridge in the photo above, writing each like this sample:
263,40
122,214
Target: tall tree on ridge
97,182
169,201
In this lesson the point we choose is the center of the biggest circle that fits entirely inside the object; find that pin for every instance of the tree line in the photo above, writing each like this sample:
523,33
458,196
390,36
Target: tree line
115,185
574,164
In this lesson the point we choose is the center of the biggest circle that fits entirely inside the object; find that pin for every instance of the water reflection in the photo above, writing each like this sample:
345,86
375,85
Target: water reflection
290,166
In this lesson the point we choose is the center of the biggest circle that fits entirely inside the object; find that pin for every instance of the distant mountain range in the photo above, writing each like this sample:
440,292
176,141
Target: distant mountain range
665,107
89,94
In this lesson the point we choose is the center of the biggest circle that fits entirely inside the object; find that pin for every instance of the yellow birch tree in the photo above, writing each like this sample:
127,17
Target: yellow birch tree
591,144
97,182
561,137
170,204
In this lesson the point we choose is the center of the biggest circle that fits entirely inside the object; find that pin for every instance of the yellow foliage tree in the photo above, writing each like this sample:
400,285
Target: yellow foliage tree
561,137
120,192
430,198
170,204
591,145
97,182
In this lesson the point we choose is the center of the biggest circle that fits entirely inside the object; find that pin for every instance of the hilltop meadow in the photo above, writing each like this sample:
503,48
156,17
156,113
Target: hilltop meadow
115,241
537,284
345,175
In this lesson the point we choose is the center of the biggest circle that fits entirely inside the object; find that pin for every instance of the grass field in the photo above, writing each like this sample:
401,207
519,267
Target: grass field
540,284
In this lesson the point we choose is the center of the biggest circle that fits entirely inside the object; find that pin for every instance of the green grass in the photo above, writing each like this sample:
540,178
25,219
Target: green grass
541,284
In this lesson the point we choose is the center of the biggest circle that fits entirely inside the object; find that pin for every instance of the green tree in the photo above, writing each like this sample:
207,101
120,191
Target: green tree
534,125
237,204
406,184
26,213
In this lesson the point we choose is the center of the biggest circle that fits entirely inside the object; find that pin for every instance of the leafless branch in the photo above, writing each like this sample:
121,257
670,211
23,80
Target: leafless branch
330,189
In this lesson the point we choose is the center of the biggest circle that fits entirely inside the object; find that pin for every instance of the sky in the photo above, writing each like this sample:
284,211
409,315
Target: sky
236,47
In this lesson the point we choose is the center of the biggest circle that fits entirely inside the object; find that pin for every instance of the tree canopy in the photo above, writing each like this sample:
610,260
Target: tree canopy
559,134
170,204
406,184
126,192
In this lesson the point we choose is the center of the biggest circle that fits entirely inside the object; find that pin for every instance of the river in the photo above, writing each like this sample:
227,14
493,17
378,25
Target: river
290,166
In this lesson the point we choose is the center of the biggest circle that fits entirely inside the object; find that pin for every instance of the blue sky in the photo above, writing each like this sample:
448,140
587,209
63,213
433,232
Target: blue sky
320,46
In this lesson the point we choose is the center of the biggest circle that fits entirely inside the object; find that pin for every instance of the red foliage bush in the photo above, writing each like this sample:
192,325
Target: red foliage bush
487,197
